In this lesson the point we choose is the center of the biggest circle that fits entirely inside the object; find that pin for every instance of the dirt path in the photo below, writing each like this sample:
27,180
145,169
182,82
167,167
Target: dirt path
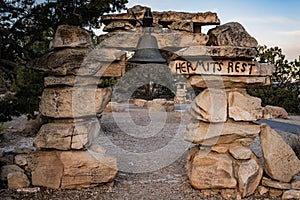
169,182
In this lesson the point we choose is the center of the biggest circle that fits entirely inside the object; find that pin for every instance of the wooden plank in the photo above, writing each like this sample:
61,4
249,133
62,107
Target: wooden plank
220,67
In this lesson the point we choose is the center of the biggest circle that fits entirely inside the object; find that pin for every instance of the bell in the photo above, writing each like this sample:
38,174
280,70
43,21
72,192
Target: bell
147,48
147,51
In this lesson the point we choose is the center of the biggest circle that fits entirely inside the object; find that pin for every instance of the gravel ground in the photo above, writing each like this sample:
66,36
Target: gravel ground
169,182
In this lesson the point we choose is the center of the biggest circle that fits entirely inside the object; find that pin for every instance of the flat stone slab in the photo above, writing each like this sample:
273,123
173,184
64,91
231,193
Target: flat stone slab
227,81
217,52
70,169
207,18
171,39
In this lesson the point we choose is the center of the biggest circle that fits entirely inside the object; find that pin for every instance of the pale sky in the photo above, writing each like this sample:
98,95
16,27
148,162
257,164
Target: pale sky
271,22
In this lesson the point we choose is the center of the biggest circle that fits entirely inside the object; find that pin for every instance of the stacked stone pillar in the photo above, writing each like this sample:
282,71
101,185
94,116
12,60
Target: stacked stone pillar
223,113
72,102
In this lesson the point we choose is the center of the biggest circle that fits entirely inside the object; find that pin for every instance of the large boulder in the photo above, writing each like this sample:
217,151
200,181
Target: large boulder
231,34
210,170
281,162
71,36
70,169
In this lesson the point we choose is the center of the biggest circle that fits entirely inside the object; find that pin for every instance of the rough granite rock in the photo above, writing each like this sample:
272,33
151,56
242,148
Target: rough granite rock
230,34
210,170
281,162
71,36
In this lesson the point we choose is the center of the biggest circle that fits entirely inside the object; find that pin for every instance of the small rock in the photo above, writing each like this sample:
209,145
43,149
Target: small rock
228,193
17,180
262,190
7,169
291,194
249,176
29,190
240,152
275,112
296,183
140,102
275,184
220,148
21,159
275,192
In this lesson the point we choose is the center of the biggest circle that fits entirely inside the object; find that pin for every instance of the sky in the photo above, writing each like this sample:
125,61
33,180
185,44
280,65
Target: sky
271,22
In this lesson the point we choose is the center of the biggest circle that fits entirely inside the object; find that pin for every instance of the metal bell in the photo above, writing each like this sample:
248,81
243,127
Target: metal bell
147,49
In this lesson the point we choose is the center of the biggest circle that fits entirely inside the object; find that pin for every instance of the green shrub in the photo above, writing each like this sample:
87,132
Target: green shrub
278,96
28,87
2,128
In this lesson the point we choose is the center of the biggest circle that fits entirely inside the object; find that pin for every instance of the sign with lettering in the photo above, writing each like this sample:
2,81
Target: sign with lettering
216,67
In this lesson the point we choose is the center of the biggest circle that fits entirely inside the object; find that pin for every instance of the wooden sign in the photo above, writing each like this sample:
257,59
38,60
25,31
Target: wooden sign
216,67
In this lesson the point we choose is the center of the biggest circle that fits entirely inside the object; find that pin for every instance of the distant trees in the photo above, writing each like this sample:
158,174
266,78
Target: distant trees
26,29
285,87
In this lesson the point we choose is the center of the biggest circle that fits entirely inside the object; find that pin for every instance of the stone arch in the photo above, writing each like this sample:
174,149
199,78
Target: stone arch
223,70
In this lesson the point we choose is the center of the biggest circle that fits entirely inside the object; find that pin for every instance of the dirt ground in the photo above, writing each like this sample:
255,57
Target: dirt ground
170,182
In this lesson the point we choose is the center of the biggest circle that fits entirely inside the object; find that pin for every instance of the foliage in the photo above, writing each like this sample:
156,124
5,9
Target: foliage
2,128
284,88
26,29
28,88
107,82
287,73
278,96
